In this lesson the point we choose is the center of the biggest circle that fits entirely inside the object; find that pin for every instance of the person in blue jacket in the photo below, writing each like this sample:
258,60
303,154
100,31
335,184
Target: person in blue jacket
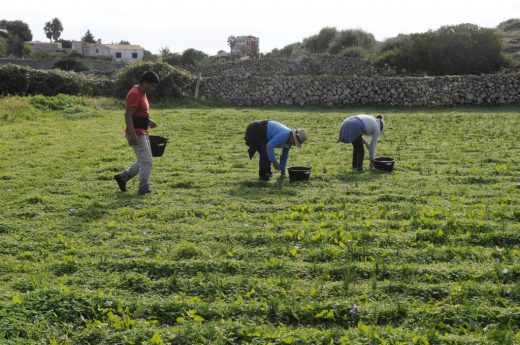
264,136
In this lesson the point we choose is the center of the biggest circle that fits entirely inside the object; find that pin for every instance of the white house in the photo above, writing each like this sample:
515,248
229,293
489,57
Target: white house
118,52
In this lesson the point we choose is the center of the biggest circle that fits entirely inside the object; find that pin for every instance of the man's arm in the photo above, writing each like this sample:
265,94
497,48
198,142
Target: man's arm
130,130
283,159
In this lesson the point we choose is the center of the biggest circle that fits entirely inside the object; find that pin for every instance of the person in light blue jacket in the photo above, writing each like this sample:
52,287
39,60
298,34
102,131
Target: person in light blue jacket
266,135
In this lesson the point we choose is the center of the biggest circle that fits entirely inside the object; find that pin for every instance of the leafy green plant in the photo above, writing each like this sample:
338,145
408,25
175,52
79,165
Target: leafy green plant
426,254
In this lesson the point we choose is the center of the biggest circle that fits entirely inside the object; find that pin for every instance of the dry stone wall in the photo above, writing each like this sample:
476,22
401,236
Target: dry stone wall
339,91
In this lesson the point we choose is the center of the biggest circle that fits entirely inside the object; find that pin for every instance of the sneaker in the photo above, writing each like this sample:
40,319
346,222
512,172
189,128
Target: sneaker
144,191
120,183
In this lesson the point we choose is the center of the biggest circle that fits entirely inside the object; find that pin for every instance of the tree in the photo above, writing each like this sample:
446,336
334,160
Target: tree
350,39
88,37
65,43
53,29
18,28
148,56
174,59
164,52
193,57
231,41
320,43
17,33
15,46
243,50
126,43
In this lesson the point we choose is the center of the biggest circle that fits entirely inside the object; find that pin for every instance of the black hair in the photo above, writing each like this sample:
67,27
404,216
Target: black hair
381,125
150,77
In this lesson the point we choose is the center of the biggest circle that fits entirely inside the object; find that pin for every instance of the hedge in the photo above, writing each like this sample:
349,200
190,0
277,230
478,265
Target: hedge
21,80
174,83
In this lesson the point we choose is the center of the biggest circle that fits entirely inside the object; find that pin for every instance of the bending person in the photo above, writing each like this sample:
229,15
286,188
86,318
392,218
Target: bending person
352,130
266,135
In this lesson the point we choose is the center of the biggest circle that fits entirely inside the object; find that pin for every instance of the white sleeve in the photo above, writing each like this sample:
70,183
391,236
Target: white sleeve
373,142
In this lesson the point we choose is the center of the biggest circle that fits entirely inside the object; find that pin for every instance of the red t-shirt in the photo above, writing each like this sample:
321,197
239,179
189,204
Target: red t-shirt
137,99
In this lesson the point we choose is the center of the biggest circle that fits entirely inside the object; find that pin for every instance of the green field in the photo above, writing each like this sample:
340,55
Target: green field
428,254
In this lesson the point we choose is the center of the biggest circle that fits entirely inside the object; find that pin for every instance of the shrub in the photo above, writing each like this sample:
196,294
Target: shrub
51,83
352,38
175,82
354,52
94,85
70,64
460,49
75,55
320,43
20,80
14,80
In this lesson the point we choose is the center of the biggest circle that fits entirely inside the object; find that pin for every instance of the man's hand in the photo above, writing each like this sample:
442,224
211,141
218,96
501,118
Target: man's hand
151,123
276,165
132,139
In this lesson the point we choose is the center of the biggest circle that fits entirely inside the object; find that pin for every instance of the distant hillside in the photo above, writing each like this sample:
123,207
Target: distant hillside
510,30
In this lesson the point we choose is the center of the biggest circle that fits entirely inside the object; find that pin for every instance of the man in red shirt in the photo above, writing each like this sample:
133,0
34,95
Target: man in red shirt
137,119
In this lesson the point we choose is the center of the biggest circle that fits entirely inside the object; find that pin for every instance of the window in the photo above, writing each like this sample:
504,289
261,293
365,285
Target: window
118,55
134,55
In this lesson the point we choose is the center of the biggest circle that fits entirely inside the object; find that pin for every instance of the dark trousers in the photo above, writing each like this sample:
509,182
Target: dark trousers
256,139
359,153
264,164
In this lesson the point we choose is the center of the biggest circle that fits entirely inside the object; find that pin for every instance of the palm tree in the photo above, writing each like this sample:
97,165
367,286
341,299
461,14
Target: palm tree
53,29
231,41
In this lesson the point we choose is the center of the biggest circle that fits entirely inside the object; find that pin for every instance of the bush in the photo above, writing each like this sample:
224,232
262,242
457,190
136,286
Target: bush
14,80
175,82
70,64
352,38
51,83
20,80
319,43
354,52
460,49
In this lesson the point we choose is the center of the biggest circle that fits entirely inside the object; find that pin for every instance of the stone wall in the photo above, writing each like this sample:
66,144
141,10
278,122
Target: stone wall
95,66
311,65
338,91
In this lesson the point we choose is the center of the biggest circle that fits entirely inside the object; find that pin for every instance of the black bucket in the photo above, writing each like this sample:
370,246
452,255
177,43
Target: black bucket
384,163
157,144
299,173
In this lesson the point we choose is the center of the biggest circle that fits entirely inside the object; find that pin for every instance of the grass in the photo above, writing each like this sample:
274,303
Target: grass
426,255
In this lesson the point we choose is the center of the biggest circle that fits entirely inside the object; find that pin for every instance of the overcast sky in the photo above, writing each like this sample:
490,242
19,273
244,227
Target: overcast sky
205,25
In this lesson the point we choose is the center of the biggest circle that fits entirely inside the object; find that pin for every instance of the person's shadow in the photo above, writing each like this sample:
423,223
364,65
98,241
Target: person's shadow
258,189
360,176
